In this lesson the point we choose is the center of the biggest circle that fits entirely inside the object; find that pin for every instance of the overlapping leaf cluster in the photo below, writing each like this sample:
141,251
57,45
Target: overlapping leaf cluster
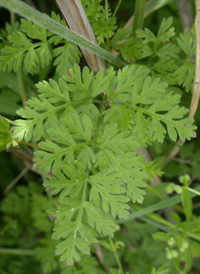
89,128
103,21
171,58
33,48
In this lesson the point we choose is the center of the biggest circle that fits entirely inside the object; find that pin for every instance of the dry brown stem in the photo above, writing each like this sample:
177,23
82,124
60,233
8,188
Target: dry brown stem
185,13
74,14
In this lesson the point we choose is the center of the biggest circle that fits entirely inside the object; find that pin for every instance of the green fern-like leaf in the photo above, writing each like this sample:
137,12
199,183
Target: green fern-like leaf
66,56
101,19
185,74
40,112
31,48
152,107
64,145
91,163
24,52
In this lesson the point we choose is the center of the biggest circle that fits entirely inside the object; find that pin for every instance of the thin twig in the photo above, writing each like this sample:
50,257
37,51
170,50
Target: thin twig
15,181
196,90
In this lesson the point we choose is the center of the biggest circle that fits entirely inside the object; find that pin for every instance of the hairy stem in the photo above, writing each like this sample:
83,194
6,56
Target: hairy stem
138,15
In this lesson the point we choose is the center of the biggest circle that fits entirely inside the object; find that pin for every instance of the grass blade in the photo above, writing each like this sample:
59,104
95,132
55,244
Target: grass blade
160,205
154,5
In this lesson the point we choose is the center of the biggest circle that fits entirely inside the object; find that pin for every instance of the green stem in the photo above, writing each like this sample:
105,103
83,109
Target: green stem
22,87
106,8
46,22
19,74
194,191
116,255
19,252
116,9
138,15
12,19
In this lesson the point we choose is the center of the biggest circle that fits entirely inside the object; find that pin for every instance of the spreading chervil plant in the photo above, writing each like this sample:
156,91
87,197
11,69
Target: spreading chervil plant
99,115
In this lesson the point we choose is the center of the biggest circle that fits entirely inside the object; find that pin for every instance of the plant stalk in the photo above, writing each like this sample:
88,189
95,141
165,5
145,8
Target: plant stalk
138,15
18,252
22,86
116,255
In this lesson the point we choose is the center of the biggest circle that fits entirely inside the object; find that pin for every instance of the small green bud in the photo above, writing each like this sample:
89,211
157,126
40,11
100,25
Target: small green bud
185,244
178,189
185,179
171,241
174,253
170,188
181,249
169,255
